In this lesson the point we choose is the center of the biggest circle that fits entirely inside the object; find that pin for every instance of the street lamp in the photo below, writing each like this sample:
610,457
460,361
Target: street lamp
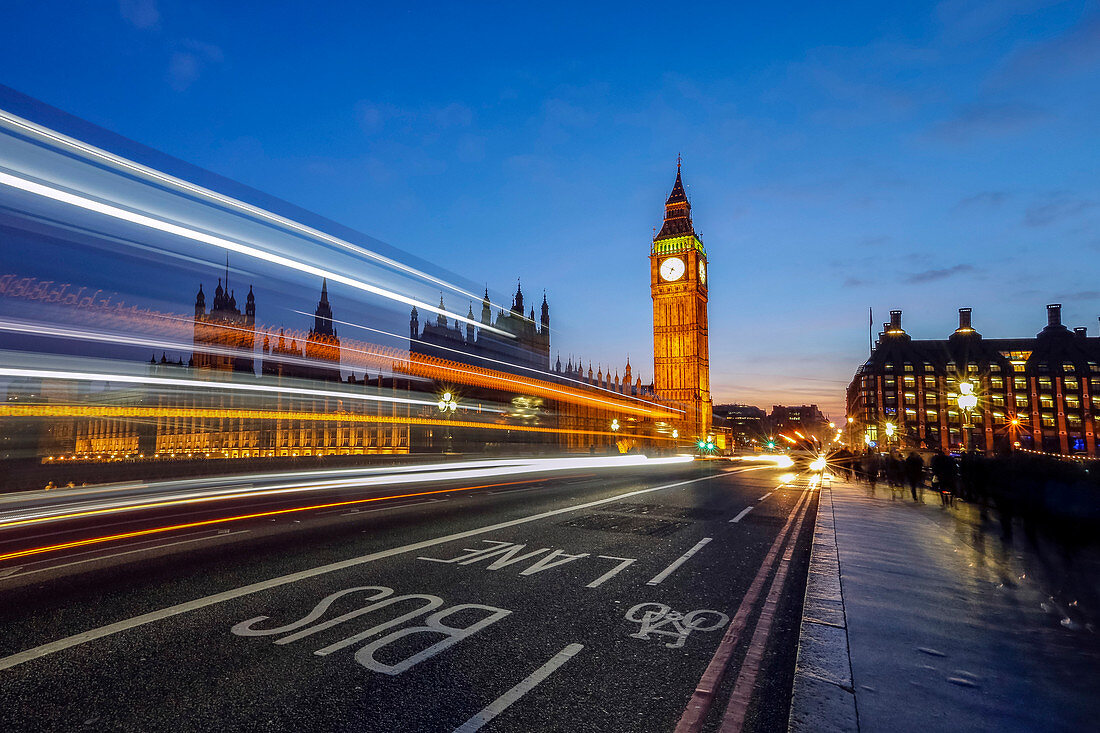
615,424
967,401
890,430
447,402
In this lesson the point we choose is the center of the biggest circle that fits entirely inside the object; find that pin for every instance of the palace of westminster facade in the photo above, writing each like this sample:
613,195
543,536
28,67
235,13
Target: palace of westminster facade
299,415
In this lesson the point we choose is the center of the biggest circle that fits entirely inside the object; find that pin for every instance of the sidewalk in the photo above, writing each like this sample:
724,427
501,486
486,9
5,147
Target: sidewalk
917,620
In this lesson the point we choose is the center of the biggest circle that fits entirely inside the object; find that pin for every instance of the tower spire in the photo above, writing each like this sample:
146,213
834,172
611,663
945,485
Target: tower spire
677,211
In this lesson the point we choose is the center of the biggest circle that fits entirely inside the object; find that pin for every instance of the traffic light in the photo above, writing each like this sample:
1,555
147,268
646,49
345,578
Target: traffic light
771,445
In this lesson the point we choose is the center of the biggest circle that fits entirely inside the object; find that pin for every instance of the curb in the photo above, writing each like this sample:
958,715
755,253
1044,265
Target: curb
822,697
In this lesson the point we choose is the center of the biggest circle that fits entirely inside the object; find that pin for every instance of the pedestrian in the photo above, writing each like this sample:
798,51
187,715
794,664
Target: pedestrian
870,468
914,473
943,469
894,472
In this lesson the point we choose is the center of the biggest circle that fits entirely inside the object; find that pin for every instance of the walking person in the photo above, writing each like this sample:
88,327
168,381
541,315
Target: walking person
943,468
870,468
894,472
914,473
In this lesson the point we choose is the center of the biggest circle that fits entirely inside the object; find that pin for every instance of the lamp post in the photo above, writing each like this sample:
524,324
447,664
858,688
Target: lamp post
967,401
890,430
447,403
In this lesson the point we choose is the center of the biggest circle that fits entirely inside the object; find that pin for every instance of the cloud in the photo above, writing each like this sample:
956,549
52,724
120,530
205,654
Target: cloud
139,13
1083,295
855,282
374,117
1078,49
454,114
189,60
984,198
927,276
986,119
1062,206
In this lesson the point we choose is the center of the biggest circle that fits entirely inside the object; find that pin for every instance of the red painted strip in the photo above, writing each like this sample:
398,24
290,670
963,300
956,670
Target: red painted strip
734,718
699,704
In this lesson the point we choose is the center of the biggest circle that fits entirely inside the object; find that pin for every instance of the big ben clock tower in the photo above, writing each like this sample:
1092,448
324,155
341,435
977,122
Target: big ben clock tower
678,283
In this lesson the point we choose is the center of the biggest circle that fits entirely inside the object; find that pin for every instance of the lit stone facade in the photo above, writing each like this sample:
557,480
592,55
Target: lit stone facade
1040,393
678,285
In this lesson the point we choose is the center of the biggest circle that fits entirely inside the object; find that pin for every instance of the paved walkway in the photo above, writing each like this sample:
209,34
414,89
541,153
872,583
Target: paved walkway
918,620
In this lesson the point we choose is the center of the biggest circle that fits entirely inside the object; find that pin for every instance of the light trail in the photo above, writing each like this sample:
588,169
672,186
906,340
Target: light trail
223,520
166,381
116,212
447,472
540,372
57,139
432,367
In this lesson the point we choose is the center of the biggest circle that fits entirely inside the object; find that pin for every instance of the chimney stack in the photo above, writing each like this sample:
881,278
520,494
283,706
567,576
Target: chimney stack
964,319
895,320
1054,314
1081,331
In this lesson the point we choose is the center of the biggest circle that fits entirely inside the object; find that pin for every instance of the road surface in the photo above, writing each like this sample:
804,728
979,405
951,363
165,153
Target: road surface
603,600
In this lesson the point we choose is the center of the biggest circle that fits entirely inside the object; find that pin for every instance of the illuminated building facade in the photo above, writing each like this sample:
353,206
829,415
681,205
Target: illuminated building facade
1040,393
527,345
225,329
189,423
678,285
747,423
806,419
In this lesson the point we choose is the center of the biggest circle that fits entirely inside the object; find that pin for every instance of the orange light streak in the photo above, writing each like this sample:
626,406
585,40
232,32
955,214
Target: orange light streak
238,518
115,411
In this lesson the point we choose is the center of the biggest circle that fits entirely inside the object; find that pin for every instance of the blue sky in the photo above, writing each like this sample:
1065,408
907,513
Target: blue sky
838,156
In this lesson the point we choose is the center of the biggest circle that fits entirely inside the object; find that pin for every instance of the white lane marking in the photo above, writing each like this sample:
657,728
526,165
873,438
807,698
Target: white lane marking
9,571
741,516
613,571
529,683
678,562
765,496
146,618
128,552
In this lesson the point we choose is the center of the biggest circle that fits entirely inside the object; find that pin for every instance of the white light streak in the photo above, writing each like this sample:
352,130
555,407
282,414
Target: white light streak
43,133
88,204
353,478
163,381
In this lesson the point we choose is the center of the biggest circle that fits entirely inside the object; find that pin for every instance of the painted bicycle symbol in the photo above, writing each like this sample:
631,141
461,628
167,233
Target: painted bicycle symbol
657,618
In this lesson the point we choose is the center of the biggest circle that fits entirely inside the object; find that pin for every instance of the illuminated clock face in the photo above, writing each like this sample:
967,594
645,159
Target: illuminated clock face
672,269
702,272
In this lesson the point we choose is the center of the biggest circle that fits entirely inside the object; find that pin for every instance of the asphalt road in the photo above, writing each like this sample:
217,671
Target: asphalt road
577,602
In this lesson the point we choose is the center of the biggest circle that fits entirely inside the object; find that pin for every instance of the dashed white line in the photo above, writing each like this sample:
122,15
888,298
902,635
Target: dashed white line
765,496
170,611
612,572
678,562
741,516
529,683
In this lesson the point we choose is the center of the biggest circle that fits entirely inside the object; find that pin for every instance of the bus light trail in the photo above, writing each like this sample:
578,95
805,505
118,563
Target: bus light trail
238,518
